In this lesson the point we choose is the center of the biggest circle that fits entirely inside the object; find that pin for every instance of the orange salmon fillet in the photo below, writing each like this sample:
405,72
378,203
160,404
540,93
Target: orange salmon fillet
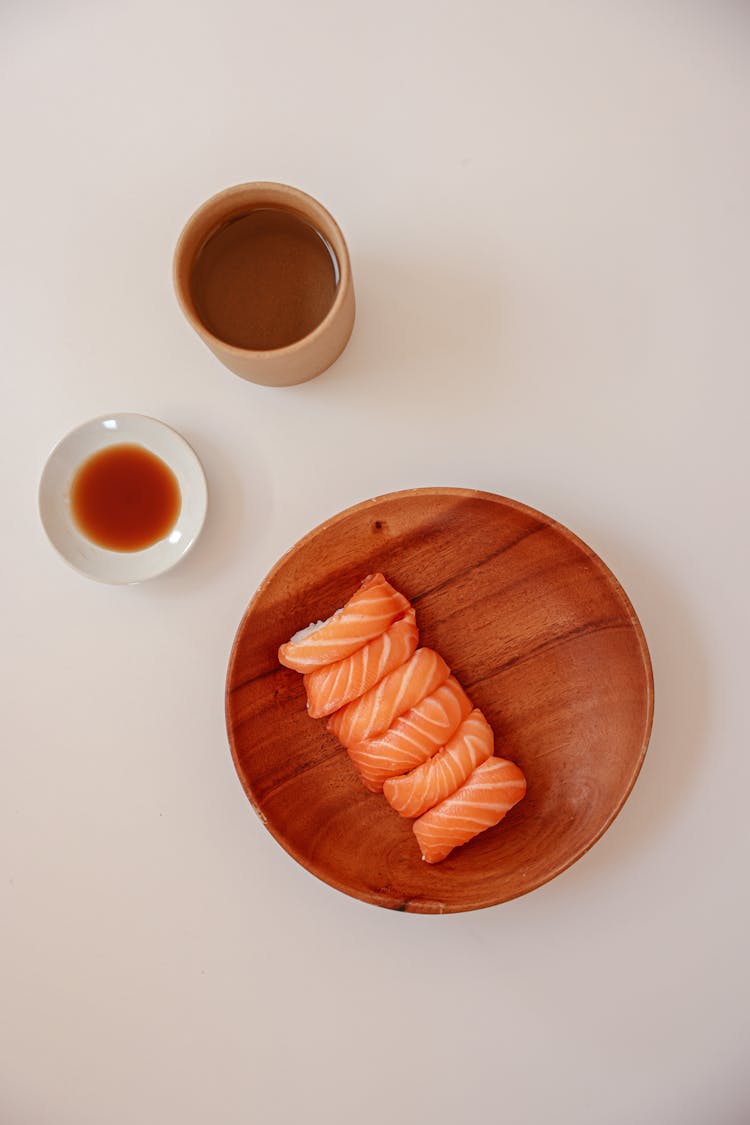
416,792
413,737
366,615
396,693
492,789
330,688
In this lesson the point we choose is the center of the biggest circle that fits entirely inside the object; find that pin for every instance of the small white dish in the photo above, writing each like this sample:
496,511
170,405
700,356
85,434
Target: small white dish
121,567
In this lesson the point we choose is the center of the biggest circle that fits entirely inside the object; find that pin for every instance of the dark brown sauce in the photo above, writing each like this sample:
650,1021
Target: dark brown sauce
264,280
125,498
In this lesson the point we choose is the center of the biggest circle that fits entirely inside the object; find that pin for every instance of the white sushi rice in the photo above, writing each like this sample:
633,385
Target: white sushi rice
313,627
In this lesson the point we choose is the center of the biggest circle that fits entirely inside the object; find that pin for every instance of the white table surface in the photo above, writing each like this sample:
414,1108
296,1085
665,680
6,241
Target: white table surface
547,210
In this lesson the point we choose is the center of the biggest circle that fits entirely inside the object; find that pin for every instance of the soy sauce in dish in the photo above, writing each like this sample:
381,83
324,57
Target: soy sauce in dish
125,498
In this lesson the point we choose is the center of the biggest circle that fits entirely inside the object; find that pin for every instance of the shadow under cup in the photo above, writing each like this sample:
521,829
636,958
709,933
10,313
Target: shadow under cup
262,273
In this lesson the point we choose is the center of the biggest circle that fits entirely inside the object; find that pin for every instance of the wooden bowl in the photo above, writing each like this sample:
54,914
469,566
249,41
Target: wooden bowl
537,630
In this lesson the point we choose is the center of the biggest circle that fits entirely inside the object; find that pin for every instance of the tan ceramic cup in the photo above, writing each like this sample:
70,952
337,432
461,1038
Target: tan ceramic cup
305,358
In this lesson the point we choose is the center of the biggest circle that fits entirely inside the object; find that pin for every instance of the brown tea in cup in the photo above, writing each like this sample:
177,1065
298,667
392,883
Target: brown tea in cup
264,280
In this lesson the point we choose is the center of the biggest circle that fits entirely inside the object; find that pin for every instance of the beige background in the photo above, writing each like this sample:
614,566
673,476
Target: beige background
547,209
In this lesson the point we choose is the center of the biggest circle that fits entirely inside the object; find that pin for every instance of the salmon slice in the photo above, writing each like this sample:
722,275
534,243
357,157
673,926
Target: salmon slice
332,687
366,615
492,789
413,738
396,693
441,775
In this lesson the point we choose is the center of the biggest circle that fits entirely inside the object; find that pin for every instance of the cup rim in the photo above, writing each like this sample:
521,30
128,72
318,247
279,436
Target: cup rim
308,204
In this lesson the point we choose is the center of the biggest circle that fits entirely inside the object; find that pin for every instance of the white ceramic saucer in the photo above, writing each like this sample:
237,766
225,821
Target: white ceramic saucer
118,567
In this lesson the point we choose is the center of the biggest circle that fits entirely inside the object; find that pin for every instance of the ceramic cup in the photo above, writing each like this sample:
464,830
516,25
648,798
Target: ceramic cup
306,357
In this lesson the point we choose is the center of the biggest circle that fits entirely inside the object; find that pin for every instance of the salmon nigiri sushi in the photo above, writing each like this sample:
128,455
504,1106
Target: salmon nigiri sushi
414,793
413,738
491,790
367,614
396,693
330,688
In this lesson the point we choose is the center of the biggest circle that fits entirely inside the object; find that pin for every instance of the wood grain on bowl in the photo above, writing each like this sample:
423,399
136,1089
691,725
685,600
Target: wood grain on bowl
536,629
